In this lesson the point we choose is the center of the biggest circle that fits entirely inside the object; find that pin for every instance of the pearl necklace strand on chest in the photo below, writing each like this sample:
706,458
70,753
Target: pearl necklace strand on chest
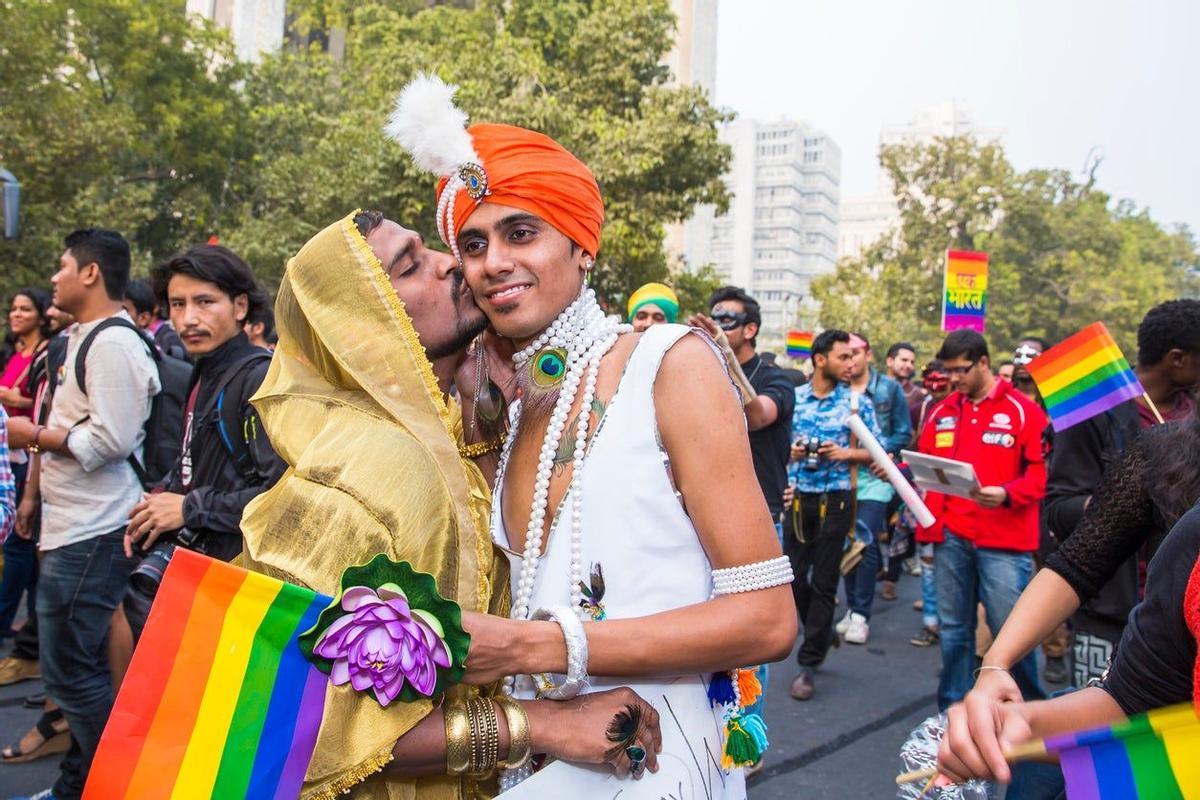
586,334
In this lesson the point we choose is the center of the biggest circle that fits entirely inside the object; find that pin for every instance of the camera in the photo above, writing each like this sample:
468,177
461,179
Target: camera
148,574
812,456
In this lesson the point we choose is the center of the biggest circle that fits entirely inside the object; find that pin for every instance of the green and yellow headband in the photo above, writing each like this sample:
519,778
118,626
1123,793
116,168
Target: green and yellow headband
658,294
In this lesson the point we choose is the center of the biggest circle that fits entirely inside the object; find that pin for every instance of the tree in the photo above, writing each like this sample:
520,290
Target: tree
586,73
117,113
1062,254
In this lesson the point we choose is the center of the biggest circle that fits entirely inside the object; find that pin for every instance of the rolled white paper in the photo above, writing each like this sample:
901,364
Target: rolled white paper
907,493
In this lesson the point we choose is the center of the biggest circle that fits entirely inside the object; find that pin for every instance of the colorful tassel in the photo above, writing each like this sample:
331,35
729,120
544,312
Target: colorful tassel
749,687
757,728
720,690
741,747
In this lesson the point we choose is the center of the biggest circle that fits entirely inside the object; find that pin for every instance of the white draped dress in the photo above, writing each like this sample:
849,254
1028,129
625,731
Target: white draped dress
636,529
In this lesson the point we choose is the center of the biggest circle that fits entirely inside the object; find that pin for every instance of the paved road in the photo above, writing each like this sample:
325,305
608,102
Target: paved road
841,744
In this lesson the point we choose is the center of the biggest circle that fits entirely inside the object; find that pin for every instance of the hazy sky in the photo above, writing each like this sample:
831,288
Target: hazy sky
1058,76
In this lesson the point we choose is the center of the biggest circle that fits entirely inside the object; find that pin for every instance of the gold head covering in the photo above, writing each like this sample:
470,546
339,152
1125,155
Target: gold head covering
352,405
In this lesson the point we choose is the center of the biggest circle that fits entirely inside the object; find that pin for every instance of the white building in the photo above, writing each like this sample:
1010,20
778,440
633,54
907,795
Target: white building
865,218
255,25
693,61
781,229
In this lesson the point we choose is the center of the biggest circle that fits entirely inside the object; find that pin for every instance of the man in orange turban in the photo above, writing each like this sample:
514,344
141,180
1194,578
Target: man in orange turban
523,216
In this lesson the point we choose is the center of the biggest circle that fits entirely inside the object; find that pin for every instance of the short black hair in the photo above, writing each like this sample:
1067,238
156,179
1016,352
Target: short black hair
933,366
1173,325
367,221
265,315
141,294
825,341
964,343
108,250
895,349
749,304
213,264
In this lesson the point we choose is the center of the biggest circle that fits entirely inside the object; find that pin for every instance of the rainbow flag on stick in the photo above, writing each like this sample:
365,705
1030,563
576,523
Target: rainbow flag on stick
1082,376
964,290
1154,756
799,344
218,702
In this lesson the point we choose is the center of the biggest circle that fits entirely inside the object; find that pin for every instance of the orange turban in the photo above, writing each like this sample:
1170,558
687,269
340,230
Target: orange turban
530,171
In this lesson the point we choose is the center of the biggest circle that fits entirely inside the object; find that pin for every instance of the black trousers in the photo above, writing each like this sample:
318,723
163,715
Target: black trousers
815,550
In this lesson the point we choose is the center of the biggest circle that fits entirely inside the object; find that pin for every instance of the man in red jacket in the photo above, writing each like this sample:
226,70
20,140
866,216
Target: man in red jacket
983,546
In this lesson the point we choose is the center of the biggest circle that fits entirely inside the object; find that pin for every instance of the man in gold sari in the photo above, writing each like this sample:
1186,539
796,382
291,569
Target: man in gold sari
372,326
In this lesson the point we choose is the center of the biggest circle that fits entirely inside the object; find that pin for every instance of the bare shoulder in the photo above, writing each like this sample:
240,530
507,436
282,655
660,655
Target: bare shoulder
693,382
692,361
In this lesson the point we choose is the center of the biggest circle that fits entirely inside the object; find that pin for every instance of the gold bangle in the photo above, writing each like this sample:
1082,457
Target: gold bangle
485,736
458,738
482,448
520,742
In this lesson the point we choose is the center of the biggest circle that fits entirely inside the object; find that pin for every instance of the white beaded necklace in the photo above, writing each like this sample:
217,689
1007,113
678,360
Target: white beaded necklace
584,331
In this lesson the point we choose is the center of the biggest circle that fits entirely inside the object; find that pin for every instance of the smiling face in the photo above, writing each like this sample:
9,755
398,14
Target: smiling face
23,315
523,271
903,364
431,285
203,315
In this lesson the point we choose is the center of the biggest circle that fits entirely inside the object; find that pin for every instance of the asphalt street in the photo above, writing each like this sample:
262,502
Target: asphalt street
843,743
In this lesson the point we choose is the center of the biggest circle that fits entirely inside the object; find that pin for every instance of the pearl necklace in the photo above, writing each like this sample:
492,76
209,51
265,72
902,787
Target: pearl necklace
584,331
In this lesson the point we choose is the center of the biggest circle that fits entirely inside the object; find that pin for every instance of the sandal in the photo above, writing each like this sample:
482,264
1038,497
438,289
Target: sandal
53,741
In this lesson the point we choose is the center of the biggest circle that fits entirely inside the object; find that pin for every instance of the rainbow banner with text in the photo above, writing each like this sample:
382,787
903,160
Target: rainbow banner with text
964,296
219,701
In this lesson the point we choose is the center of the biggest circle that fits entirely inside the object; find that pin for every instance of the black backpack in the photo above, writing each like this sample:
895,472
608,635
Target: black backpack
228,420
164,428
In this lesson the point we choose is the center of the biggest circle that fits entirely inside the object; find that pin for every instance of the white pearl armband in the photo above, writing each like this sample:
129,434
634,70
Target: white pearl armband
752,577
577,655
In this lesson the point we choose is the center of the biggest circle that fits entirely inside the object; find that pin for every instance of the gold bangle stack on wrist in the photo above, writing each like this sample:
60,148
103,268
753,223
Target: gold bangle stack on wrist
482,448
473,736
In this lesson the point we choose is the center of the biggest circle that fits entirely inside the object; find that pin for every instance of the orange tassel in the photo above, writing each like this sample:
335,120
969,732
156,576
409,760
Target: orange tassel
749,686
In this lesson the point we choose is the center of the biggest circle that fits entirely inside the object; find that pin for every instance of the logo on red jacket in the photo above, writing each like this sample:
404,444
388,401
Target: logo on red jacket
1002,421
945,423
1002,439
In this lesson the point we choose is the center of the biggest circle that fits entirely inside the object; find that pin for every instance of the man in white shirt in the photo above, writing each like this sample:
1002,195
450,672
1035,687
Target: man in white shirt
88,488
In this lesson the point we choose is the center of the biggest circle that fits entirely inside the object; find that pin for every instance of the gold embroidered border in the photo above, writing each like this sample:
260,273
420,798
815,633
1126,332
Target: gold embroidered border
344,783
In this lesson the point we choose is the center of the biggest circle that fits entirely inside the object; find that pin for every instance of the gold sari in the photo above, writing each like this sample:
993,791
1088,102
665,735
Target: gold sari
351,404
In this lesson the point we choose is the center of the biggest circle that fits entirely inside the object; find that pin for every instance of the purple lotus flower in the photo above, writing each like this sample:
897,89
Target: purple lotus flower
381,642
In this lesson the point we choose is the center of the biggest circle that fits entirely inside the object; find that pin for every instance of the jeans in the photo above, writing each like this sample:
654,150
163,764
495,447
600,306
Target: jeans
20,568
929,615
967,575
816,548
81,585
860,581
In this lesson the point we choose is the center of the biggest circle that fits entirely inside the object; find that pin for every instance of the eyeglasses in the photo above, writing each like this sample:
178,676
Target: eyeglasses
951,371
728,320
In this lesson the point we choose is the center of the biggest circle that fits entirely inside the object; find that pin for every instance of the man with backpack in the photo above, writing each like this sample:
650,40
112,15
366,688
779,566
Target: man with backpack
225,459
87,486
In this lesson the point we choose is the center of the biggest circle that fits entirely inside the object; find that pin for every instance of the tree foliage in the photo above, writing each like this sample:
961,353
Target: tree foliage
1062,253
127,114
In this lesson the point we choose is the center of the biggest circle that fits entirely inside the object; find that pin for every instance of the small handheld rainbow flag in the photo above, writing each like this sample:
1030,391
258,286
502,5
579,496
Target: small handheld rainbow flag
964,290
218,702
1151,757
799,344
1082,376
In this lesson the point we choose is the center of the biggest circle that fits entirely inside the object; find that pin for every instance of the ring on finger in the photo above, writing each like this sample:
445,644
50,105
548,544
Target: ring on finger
637,758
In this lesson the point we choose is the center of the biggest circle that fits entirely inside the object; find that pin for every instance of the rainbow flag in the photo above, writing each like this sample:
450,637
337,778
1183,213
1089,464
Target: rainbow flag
1154,756
1082,376
799,344
218,702
964,290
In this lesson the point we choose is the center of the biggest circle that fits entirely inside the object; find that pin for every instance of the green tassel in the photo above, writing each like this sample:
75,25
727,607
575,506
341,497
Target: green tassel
741,748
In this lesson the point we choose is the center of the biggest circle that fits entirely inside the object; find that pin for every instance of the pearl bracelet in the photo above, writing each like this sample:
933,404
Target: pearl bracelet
577,655
752,577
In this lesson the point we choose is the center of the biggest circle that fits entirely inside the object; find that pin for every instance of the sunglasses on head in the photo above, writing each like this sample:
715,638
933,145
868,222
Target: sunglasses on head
728,320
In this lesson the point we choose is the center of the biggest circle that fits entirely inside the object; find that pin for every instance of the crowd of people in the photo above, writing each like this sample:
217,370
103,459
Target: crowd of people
416,394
